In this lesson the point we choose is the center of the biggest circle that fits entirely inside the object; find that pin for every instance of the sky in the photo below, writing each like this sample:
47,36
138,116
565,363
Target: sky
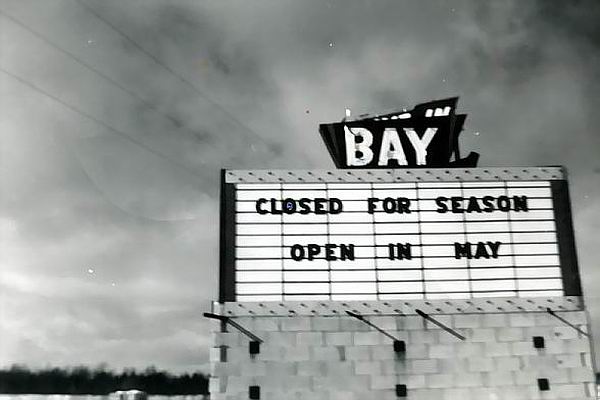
117,115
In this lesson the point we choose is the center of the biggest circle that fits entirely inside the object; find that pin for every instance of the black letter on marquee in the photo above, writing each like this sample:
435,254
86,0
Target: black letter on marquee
259,202
399,251
371,204
297,252
347,252
442,207
462,250
520,203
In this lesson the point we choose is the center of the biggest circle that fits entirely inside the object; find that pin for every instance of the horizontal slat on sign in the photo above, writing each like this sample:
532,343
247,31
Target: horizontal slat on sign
444,263
491,262
435,193
395,185
399,275
348,186
442,227
396,229
510,293
353,287
259,276
305,229
436,216
527,183
537,204
350,194
258,264
258,298
258,252
358,240
534,237
447,286
258,288
351,217
487,216
536,248
353,276
309,194
341,229
480,193
305,239
315,264
461,295
536,284
544,261
355,205
306,297
258,229
313,287
401,296
538,272
258,241
403,287
438,250
541,293
257,194
384,263
446,274
531,214
393,193
493,273
482,184
396,217
531,192
386,239
245,206
475,227
498,284
306,276
357,264
442,238
304,186
487,237
350,297
258,186
304,218
257,218
424,185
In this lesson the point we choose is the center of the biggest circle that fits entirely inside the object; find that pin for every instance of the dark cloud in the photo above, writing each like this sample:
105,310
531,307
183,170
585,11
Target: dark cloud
125,182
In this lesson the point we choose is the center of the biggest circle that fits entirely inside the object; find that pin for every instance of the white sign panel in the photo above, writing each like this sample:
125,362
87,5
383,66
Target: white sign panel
405,240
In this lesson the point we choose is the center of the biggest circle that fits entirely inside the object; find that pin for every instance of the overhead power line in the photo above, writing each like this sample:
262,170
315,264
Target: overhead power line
78,60
98,121
172,71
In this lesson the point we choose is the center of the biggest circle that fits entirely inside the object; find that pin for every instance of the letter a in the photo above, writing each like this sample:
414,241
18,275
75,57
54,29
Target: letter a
391,148
364,146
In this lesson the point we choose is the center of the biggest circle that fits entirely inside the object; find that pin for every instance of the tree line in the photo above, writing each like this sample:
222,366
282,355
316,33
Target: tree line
19,379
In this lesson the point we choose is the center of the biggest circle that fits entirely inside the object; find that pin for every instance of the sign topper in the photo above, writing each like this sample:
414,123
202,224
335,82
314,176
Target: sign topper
426,136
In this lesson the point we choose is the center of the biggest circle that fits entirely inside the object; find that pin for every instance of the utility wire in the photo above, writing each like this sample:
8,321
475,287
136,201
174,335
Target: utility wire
170,70
98,121
174,120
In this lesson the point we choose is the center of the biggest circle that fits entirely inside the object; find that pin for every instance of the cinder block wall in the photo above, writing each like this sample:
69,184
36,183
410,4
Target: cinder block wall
313,350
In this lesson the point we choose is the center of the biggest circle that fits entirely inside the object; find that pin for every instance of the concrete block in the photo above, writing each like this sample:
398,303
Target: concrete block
496,349
523,348
577,345
467,321
326,323
414,351
555,346
216,385
413,381
326,354
367,338
267,324
426,394
444,337
457,393
367,368
383,352
466,379
253,368
338,338
383,382
350,324
480,364
520,320
268,353
494,320
581,374
410,322
442,351
358,353
482,335
498,378
569,360
385,322
510,334
569,391
466,349
441,381
424,366
295,324
311,368
309,338
422,336
507,363
443,319
214,354
284,339
299,353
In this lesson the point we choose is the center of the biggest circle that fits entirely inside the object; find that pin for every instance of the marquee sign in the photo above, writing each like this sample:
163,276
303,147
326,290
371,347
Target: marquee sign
426,136
396,234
